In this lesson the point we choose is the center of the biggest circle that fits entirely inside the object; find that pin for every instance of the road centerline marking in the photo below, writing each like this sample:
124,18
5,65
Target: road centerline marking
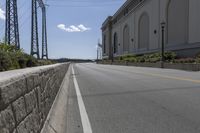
161,76
84,116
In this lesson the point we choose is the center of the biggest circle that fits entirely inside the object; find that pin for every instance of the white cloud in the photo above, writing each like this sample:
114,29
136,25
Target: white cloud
73,28
61,26
83,28
2,14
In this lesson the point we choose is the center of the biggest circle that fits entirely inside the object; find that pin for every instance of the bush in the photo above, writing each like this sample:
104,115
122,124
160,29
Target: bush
10,58
44,62
152,58
170,56
140,59
7,48
5,61
31,61
185,60
13,57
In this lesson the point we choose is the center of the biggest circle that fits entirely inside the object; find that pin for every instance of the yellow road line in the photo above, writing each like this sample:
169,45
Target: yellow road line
162,76
169,77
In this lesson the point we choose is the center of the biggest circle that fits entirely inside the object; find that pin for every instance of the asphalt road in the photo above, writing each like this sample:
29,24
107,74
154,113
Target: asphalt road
121,99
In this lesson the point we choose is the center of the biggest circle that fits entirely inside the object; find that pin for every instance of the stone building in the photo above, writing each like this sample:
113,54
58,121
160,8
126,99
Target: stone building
136,28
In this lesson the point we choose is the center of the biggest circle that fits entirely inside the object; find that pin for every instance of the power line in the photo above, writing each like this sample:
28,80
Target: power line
67,5
85,0
85,3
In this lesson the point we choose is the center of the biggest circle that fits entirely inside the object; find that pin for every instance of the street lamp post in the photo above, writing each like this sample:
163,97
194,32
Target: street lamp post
163,42
112,52
97,54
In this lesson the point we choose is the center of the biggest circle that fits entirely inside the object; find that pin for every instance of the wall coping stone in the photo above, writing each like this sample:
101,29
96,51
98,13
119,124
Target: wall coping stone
13,75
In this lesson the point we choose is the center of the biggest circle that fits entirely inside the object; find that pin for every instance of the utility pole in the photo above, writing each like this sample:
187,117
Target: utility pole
34,31
11,24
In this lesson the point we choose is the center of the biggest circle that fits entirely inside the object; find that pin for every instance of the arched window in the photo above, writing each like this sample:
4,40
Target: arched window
177,22
143,31
115,43
126,39
104,44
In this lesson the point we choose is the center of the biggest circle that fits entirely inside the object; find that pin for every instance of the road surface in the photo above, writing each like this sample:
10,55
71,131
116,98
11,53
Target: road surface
122,99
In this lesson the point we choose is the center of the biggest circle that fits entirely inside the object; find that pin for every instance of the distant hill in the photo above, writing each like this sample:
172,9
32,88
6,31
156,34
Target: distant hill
62,60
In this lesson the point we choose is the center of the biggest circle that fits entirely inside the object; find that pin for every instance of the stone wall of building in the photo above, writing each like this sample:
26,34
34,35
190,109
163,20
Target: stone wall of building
26,97
182,28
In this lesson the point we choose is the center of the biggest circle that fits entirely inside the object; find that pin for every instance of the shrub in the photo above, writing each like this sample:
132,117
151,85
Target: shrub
14,60
44,62
10,58
5,61
7,48
152,58
31,61
185,60
170,56
140,59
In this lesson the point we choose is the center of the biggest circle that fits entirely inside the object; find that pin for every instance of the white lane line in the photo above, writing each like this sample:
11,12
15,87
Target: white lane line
84,116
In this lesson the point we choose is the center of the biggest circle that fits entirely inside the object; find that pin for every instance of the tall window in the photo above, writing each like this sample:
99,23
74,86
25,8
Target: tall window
177,21
104,44
115,49
126,39
144,31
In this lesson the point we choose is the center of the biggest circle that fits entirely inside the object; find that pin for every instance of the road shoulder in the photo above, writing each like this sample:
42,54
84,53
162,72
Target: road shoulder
56,119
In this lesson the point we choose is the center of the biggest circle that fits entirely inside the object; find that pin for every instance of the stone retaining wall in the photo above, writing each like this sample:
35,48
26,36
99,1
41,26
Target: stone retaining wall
26,97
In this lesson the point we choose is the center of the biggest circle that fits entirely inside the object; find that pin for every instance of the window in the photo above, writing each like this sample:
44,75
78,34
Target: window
104,44
115,49
144,31
126,39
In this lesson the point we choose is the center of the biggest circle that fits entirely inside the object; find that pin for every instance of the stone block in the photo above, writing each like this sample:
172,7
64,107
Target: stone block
30,83
38,96
19,109
7,121
37,80
12,91
47,105
4,130
2,105
30,124
30,100
43,116
44,82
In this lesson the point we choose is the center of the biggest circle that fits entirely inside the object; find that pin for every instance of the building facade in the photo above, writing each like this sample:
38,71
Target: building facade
136,28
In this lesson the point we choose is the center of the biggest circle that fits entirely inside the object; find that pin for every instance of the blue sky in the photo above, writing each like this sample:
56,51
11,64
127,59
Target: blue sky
73,25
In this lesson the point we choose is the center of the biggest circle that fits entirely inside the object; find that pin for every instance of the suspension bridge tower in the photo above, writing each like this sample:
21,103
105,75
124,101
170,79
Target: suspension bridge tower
34,31
11,24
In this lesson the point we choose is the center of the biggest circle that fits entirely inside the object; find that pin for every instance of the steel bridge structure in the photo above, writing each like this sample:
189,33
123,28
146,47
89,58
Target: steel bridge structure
12,29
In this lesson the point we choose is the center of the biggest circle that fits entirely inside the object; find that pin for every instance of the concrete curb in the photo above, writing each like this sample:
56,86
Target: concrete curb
56,119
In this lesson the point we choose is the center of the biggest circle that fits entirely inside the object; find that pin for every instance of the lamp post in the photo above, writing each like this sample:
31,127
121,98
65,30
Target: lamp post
112,52
163,42
97,54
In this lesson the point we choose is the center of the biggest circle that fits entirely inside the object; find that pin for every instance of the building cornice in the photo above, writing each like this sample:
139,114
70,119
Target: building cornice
106,23
124,10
